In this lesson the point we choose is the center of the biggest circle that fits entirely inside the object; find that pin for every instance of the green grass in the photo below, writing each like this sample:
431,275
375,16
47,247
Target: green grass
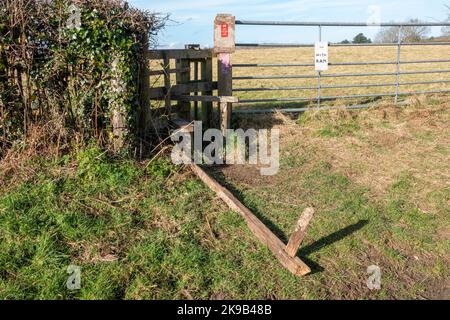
350,232
59,219
333,130
168,238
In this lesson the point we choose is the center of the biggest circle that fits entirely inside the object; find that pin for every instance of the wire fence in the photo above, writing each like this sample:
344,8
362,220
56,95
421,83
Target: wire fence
397,63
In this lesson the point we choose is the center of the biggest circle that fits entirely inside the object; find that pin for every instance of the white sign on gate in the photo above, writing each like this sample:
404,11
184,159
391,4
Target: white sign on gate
321,56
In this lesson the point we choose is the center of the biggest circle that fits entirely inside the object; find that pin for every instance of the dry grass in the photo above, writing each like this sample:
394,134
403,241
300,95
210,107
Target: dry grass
389,165
391,140
48,141
340,54
384,141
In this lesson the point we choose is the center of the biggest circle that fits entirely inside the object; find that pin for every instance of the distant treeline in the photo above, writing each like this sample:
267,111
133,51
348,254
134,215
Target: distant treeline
403,34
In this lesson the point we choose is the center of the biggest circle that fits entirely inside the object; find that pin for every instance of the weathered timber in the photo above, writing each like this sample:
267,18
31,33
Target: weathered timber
207,76
224,33
276,246
163,110
184,77
162,72
179,54
299,233
207,99
224,86
167,87
144,99
224,46
183,125
118,128
196,69
181,89
224,115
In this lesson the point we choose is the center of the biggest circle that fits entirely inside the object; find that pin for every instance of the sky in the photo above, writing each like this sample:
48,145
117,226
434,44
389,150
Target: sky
191,21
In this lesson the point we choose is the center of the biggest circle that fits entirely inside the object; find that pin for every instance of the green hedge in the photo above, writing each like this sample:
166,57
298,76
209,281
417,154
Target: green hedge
71,61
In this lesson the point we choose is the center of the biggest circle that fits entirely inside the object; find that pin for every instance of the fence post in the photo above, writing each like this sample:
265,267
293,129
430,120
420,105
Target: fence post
118,116
167,85
399,46
224,46
207,76
319,75
144,87
183,67
196,65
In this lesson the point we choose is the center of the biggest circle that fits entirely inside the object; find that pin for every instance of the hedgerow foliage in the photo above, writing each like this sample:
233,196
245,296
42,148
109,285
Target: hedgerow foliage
75,61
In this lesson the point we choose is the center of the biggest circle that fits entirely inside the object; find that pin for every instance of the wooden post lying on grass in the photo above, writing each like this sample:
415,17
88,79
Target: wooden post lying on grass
286,254
264,234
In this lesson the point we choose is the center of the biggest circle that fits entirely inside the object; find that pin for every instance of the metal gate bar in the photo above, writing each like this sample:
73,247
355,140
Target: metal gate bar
314,88
338,86
334,75
308,45
341,24
273,110
343,97
269,65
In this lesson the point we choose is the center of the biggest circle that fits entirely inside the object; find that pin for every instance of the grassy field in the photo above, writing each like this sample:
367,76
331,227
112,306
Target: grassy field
379,180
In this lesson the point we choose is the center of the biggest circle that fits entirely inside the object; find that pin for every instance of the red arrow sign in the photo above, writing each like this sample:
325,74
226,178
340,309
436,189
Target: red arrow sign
224,30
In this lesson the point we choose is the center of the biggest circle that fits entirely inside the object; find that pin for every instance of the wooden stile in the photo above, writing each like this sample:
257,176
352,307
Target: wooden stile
189,54
206,67
261,231
167,86
184,77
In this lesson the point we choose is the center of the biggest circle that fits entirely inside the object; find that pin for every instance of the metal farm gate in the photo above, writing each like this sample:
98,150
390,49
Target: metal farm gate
237,81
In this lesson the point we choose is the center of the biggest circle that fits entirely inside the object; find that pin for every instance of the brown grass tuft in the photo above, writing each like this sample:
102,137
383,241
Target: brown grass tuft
48,140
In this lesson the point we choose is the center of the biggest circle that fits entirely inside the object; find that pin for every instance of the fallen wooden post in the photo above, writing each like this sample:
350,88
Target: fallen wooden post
299,233
285,254
264,234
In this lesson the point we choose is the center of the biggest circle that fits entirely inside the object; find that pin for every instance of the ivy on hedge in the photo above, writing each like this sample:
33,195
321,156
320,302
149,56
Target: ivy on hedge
48,66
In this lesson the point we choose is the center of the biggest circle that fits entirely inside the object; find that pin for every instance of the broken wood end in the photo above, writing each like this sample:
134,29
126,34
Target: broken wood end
299,233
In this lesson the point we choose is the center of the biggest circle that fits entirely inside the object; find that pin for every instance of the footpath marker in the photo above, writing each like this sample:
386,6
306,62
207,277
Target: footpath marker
224,46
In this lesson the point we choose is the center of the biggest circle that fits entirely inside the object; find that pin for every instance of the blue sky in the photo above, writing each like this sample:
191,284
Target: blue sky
192,20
